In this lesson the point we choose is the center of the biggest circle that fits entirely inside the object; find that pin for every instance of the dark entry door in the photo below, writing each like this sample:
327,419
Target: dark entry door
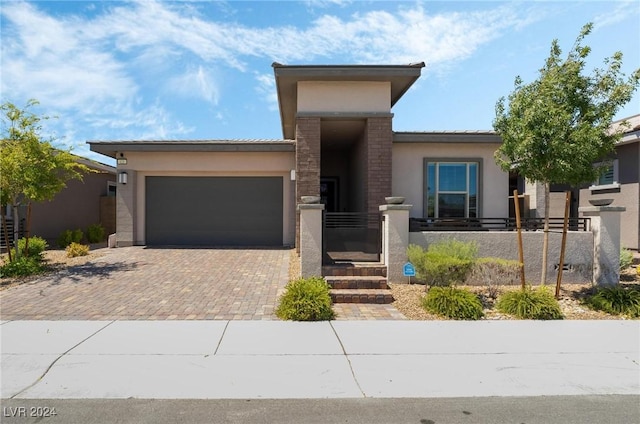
214,211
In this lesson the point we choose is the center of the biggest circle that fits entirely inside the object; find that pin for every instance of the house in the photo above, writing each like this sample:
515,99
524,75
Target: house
621,183
78,205
338,144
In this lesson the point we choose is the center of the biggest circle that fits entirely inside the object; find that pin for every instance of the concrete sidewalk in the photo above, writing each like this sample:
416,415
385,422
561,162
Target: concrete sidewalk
339,359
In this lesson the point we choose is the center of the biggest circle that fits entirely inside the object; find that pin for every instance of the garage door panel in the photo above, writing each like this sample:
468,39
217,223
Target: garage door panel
229,211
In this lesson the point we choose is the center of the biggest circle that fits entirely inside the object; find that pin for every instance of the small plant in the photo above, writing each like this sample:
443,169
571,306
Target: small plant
23,266
443,263
77,249
68,236
626,258
306,299
37,245
616,300
453,302
530,303
95,233
467,251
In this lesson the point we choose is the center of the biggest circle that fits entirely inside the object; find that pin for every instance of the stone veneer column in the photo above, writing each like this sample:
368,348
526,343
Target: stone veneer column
378,176
395,240
605,225
126,209
310,239
307,163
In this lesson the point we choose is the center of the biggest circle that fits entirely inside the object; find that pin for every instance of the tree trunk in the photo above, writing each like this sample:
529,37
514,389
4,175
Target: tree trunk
545,240
6,232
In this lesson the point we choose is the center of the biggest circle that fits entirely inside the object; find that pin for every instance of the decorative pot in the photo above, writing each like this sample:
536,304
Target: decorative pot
394,200
601,202
309,200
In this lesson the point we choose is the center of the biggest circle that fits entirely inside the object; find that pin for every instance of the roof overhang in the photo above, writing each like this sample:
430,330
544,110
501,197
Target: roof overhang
112,148
287,77
447,137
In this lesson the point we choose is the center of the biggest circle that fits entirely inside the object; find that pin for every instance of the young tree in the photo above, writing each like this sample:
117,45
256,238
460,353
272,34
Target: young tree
555,128
31,169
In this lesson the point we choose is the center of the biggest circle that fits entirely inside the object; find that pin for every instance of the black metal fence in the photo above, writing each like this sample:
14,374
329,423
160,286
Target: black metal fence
351,236
494,224
9,226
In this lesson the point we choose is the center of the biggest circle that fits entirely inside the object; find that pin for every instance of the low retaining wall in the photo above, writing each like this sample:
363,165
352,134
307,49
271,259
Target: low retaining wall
578,262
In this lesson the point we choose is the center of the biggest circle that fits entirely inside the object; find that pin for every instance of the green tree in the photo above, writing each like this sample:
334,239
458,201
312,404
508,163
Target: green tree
31,169
555,128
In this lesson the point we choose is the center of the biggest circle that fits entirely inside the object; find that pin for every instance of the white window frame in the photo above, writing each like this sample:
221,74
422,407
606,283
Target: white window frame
448,161
596,184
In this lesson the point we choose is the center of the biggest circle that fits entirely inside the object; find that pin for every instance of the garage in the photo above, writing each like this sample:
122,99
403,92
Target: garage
214,211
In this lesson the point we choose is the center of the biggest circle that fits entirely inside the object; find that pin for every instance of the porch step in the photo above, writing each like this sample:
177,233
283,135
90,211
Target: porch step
357,282
376,296
354,269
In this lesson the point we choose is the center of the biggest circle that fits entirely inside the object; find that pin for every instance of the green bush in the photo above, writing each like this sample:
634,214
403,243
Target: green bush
23,266
626,258
77,249
37,245
306,299
453,302
530,303
443,263
616,300
95,233
463,250
68,236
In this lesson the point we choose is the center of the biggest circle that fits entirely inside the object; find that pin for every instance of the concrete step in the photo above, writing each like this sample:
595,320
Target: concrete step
361,296
346,282
355,269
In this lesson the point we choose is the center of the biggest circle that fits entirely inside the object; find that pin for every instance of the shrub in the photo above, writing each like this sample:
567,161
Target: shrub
626,258
23,266
95,233
494,271
616,300
443,263
77,249
68,236
530,303
462,250
306,299
37,245
453,302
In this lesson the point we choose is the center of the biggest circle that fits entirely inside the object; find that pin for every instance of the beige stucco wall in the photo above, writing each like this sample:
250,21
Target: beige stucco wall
627,197
208,164
340,96
408,174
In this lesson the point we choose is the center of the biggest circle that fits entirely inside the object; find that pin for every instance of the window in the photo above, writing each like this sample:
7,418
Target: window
609,179
452,189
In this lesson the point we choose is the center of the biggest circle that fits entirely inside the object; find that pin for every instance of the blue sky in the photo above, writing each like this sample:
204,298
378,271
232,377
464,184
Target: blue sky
112,70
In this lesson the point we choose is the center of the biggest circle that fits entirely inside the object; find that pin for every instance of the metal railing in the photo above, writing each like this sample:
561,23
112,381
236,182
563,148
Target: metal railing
494,224
9,225
352,236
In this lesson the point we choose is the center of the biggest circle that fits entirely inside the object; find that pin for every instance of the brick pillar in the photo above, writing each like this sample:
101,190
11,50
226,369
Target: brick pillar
379,138
307,163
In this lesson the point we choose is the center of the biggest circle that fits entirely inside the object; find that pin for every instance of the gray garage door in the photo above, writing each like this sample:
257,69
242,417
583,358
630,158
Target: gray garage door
214,211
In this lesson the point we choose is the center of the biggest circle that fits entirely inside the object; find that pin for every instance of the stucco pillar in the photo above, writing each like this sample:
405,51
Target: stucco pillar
126,209
395,240
310,239
605,226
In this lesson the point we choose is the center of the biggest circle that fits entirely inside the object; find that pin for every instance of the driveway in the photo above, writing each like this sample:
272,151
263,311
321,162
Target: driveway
156,284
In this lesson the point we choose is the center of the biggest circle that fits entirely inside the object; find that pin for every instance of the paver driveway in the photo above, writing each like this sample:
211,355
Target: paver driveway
143,283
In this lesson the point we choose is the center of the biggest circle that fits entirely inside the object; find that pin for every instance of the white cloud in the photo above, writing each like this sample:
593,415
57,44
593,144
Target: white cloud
97,70
622,11
196,83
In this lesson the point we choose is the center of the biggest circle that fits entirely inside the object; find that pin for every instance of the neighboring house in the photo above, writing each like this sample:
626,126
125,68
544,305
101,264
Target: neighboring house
621,183
80,204
338,144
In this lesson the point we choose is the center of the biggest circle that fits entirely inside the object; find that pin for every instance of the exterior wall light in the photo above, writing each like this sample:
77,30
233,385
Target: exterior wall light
293,175
122,177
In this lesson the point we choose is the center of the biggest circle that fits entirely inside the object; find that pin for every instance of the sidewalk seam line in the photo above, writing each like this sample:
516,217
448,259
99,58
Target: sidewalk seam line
60,357
215,352
364,395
